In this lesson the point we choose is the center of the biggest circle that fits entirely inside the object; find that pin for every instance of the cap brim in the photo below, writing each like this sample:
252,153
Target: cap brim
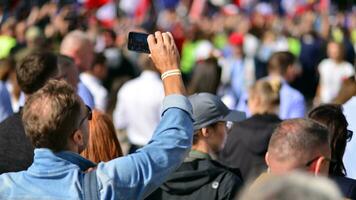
235,116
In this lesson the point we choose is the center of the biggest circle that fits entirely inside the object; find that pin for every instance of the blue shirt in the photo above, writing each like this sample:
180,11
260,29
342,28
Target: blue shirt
350,151
292,103
60,176
237,78
85,94
5,102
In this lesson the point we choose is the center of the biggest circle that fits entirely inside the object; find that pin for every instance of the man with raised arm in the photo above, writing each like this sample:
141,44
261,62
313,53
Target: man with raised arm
56,121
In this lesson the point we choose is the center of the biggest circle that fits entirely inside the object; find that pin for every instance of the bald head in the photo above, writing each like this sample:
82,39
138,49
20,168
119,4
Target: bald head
78,46
295,142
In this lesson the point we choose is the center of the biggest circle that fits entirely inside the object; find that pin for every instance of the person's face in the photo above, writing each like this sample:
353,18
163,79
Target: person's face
101,71
217,136
109,41
83,129
334,52
20,31
84,57
292,73
238,51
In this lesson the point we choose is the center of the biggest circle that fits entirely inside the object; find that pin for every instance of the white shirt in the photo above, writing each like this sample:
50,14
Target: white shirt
332,75
138,107
98,91
350,151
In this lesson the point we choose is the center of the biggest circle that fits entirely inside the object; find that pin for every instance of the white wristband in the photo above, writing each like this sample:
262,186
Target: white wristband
172,72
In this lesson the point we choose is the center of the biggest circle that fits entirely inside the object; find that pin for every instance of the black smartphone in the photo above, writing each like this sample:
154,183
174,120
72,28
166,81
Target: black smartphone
138,42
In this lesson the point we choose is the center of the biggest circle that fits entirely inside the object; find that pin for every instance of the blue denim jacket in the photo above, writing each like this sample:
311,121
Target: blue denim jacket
60,175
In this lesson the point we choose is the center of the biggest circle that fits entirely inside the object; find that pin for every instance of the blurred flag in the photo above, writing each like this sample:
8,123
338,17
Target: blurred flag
93,4
106,14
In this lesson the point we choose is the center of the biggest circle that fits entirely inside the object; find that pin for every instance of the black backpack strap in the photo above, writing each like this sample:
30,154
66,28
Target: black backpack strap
90,186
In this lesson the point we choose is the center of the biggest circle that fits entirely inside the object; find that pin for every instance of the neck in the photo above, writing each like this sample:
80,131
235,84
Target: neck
72,147
275,75
338,61
263,110
202,146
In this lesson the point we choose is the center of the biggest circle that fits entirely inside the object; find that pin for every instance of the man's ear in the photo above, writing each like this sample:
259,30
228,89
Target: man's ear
78,138
320,167
205,132
267,159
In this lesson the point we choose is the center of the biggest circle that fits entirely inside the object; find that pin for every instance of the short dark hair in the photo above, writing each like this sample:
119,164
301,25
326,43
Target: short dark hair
203,69
99,59
35,70
280,61
295,138
6,66
110,32
332,117
51,114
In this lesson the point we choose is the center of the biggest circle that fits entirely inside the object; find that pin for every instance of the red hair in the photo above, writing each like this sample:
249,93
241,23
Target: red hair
103,144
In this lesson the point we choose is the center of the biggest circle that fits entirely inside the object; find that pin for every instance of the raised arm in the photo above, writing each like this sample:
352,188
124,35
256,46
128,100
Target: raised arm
135,176
165,56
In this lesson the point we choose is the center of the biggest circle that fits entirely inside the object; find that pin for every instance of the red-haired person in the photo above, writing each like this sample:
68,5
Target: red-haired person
103,144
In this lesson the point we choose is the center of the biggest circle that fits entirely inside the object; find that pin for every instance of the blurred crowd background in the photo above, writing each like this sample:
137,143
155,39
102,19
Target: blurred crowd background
224,45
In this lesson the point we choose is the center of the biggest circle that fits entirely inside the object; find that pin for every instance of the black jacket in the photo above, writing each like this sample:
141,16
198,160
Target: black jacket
199,179
247,144
16,151
346,185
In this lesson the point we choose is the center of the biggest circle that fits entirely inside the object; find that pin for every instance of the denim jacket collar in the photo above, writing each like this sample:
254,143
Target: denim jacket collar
53,163
76,159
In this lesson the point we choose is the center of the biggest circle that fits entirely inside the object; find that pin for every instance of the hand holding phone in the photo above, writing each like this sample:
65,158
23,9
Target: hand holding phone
138,42
165,56
164,52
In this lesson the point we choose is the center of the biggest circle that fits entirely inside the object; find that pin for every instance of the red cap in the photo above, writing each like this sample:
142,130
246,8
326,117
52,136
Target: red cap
236,39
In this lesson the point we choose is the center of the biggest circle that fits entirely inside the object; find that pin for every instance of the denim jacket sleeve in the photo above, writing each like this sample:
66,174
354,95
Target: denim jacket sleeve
137,175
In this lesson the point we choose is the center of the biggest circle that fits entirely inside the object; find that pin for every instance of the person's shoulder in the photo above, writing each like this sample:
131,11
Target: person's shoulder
292,93
2,86
130,83
325,67
84,76
232,173
325,62
229,179
12,121
348,68
347,65
346,185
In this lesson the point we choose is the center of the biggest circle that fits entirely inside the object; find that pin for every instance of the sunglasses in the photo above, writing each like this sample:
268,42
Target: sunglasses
309,163
349,134
87,116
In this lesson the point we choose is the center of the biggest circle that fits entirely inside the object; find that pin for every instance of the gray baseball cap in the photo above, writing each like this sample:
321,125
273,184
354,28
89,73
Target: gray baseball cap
209,109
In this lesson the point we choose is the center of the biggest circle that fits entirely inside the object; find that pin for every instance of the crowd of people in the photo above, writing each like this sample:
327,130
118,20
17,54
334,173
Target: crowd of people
234,97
